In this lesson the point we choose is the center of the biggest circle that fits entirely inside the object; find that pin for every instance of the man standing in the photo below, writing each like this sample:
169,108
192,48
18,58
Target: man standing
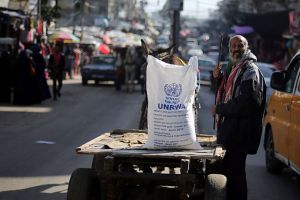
239,110
56,67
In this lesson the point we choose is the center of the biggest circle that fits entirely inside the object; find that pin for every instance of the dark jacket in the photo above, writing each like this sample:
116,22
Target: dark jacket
56,70
241,117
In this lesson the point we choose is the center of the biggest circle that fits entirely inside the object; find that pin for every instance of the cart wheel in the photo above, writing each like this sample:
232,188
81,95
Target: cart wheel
118,84
215,187
83,185
84,81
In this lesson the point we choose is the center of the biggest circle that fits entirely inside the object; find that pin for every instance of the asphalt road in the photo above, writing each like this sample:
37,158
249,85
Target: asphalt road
38,142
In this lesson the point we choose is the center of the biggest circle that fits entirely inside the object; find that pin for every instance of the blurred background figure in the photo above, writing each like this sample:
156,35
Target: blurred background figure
130,68
40,66
26,89
56,67
5,77
141,68
78,54
69,56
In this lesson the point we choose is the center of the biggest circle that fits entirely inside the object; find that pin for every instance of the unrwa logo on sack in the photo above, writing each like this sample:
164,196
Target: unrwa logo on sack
173,89
163,106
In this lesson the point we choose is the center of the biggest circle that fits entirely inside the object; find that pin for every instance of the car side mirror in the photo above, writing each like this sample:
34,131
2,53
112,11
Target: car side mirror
277,81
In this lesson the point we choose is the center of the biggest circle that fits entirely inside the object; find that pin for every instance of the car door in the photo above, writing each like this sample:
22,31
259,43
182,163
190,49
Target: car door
281,110
294,132
280,122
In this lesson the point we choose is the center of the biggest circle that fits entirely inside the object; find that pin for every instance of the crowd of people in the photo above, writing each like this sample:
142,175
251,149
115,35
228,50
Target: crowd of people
23,81
26,68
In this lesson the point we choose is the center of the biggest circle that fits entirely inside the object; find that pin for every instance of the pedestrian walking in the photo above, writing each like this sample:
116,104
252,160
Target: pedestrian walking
239,109
69,55
56,67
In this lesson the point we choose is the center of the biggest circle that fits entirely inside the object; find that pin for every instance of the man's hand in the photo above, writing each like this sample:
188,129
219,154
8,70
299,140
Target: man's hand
213,110
217,71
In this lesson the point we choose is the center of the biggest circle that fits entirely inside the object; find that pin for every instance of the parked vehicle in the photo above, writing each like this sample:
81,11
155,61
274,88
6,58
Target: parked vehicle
282,120
213,55
194,52
191,42
6,43
101,68
206,66
162,41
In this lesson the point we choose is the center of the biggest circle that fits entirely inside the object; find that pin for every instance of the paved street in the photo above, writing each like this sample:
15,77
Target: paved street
38,142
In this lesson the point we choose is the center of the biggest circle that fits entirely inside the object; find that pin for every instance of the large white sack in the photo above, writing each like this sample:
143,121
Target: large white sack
171,94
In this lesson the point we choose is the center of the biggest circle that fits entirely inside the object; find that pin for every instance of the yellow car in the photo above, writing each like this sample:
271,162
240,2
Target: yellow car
282,120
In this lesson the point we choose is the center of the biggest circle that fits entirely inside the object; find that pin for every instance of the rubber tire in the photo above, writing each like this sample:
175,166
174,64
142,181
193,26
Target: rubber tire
273,165
117,85
84,81
83,185
215,187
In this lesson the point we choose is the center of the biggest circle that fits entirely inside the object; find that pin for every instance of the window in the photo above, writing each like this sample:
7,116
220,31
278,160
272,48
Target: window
291,76
103,60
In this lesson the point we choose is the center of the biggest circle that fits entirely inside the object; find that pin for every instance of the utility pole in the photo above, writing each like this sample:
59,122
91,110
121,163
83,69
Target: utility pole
175,6
176,29
39,9
143,3
73,17
82,3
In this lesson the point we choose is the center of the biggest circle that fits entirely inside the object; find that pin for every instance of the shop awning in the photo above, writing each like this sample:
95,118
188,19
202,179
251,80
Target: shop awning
242,30
12,14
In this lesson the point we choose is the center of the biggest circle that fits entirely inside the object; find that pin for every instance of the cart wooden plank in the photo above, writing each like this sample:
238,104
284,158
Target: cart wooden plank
205,153
129,143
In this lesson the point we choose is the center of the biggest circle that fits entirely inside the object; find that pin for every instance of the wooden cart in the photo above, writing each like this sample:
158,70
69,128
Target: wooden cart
122,169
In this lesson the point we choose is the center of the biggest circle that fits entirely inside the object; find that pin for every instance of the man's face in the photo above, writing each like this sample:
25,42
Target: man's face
237,49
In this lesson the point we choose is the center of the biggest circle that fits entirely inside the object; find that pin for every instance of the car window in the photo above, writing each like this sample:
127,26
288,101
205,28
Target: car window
291,75
267,72
213,55
103,60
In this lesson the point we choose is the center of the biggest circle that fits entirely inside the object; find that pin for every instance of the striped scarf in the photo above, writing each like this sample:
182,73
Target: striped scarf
225,91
